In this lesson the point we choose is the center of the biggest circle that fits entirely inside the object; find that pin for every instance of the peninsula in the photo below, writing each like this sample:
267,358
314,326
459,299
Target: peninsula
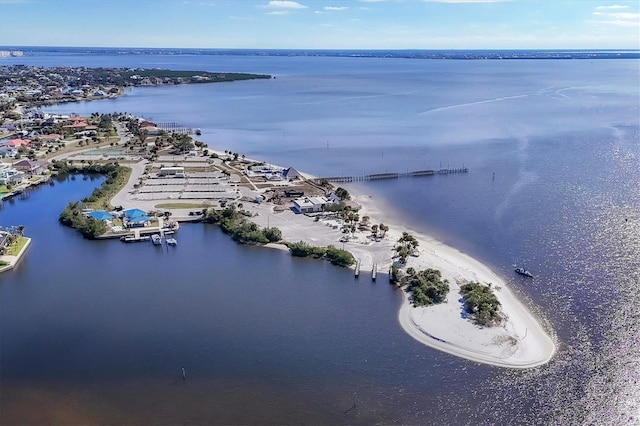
187,181
176,178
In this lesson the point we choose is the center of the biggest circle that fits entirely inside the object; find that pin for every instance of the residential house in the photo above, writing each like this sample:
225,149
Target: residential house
9,175
29,167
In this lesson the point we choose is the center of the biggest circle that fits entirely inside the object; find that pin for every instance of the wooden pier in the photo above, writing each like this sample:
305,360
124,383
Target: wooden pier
374,272
382,176
357,270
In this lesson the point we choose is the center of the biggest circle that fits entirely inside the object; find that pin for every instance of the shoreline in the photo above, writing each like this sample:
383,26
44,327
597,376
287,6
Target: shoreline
14,260
519,342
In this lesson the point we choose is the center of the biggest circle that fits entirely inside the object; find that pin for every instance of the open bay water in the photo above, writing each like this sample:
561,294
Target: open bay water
96,332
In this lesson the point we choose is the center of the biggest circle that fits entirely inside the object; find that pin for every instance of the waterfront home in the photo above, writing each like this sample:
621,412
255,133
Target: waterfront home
9,175
29,167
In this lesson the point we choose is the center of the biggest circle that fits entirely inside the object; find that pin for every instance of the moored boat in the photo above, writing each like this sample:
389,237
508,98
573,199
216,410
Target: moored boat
523,271
172,242
156,239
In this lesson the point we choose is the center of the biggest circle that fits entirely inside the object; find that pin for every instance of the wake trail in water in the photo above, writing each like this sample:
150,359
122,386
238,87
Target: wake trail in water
486,101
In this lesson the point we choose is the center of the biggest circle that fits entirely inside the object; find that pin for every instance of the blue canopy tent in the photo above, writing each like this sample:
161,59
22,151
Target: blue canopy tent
100,215
131,213
139,219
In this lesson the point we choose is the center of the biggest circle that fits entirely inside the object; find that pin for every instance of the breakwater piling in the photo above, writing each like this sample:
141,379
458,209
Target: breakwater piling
382,176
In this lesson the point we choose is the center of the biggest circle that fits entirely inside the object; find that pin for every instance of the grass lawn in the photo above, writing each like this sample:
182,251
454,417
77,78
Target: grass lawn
17,246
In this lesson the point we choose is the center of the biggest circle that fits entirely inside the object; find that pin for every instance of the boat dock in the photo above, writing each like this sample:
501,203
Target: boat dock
357,270
381,176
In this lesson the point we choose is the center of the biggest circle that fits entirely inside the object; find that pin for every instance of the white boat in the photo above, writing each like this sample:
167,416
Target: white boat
523,271
156,239
172,241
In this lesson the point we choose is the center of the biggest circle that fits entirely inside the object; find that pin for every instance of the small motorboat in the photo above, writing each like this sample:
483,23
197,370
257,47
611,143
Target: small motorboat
523,271
172,241
156,239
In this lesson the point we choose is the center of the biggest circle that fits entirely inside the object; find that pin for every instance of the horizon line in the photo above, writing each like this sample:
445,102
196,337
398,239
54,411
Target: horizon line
326,48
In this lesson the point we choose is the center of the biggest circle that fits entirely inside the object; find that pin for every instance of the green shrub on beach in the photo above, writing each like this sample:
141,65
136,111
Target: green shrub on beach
302,249
335,255
426,287
339,257
232,222
481,303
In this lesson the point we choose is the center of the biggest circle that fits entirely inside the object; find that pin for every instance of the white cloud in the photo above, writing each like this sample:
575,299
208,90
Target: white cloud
278,12
336,8
617,23
465,1
285,4
619,15
613,6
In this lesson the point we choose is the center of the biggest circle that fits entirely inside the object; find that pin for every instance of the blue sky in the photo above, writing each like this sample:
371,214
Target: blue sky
323,24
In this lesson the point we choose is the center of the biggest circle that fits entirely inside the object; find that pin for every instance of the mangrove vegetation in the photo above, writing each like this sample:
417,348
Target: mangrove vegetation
481,303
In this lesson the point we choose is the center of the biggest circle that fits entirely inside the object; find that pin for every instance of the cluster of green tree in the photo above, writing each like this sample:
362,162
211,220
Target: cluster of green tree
407,244
481,303
334,255
426,287
181,75
234,223
343,194
74,217
116,177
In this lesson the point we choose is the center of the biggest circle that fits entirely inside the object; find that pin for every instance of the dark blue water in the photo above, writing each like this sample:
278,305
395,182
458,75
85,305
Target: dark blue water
98,331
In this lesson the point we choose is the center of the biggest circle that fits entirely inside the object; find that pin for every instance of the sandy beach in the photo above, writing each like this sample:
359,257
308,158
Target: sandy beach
519,342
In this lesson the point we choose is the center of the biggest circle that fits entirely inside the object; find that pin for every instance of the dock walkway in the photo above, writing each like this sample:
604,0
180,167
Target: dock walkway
381,176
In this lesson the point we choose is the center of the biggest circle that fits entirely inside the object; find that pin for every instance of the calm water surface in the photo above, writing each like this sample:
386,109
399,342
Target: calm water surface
97,331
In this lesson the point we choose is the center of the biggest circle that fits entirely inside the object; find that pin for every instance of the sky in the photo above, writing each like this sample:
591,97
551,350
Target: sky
323,24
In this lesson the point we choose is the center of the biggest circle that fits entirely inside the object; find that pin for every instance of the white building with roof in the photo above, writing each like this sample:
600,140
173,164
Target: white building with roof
310,204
